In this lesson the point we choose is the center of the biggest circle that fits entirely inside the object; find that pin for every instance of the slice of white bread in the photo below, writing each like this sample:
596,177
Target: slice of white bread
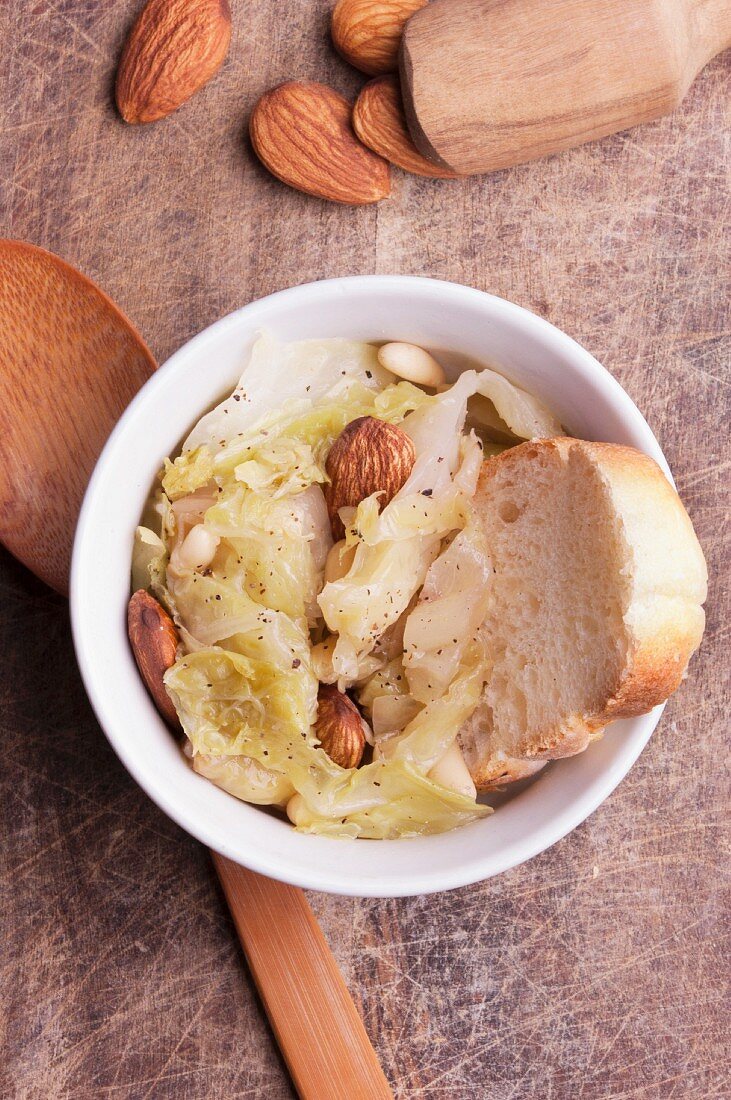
596,608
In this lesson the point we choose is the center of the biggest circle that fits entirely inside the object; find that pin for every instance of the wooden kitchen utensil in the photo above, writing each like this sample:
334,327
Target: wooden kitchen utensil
490,83
70,362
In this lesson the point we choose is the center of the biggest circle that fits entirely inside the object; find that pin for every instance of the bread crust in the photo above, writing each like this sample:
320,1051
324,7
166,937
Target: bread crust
664,619
493,770
500,770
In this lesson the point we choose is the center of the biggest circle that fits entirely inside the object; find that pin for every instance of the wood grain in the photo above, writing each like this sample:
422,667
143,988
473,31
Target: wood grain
329,1055
488,84
597,970
56,328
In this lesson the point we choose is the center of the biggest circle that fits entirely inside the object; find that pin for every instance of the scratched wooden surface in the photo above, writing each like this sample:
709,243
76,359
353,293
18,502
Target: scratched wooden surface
597,970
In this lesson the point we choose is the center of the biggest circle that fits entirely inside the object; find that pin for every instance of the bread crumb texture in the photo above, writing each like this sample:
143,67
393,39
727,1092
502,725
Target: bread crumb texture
597,600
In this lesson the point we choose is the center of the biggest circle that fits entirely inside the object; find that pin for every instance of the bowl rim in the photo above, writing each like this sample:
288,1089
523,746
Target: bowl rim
546,833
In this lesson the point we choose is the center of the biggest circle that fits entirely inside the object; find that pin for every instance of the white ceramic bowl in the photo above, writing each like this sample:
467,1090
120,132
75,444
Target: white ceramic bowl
438,315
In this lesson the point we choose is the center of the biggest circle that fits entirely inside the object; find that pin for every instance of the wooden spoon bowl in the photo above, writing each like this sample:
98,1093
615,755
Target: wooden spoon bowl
70,363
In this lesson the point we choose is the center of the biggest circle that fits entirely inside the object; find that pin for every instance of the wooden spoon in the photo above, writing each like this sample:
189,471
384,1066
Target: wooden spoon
70,362
487,84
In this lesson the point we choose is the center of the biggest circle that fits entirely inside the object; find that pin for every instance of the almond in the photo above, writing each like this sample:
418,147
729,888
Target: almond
173,49
369,456
154,642
301,132
380,123
368,32
339,727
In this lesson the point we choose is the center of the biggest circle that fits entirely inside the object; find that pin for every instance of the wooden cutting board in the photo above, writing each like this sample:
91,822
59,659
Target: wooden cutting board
594,971
490,83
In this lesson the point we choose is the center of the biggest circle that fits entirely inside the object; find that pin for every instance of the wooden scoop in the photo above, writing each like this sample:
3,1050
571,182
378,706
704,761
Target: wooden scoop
70,362
490,83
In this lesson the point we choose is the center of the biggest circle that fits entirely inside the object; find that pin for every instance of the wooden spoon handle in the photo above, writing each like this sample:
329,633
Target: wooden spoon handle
316,1024
709,28
487,84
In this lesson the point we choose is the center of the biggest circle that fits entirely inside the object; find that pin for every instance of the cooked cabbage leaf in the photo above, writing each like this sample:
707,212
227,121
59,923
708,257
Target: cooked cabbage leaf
251,614
428,736
276,546
231,706
361,606
524,414
243,777
401,803
215,611
407,516
395,549
277,373
452,604
149,558
389,680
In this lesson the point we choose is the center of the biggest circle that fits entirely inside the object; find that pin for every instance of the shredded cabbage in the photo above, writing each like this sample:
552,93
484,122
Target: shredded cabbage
426,738
309,371
280,467
232,706
189,472
149,558
244,778
395,549
391,713
452,604
260,632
